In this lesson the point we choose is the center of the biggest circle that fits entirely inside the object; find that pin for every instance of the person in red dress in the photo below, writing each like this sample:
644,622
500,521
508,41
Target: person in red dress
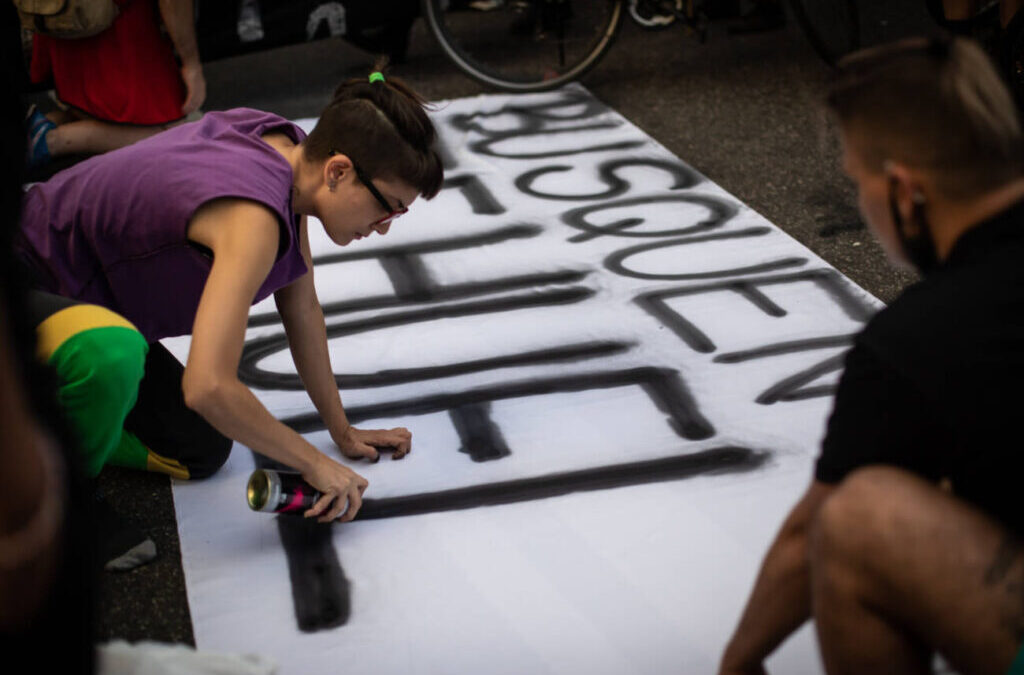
121,85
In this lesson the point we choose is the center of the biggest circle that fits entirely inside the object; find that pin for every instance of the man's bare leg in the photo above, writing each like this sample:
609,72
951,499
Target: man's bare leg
900,568
94,137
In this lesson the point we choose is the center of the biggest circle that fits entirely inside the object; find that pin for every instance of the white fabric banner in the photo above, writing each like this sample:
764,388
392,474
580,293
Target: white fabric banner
617,378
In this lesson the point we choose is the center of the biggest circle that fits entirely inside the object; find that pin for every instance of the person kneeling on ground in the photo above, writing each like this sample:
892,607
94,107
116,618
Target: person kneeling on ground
907,542
119,86
181,232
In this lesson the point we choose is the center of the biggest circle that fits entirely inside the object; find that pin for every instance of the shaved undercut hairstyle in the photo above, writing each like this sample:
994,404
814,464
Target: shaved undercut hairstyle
937,105
383,127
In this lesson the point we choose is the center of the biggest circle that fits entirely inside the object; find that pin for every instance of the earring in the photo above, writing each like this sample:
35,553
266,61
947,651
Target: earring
332,186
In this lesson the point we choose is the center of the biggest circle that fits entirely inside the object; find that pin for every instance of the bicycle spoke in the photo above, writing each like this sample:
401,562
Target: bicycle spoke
524,42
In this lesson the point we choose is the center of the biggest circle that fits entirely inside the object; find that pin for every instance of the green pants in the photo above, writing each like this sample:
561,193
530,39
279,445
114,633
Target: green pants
121,396
100,359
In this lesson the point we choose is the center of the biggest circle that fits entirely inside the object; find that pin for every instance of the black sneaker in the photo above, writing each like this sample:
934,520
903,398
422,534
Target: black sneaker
767,15
120,546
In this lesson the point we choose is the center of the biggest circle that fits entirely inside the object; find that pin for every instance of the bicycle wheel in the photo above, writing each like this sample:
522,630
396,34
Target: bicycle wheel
831,26
524,45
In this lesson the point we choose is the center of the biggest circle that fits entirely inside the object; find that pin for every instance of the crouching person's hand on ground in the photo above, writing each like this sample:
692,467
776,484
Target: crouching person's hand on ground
359,443
341,489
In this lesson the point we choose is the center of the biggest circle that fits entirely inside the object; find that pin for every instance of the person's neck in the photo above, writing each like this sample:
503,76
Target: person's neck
302,181
949,220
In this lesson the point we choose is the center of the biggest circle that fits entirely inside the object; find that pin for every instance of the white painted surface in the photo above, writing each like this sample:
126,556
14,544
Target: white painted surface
641,579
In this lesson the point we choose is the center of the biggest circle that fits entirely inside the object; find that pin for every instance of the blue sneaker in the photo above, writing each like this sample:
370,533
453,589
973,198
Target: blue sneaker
38,152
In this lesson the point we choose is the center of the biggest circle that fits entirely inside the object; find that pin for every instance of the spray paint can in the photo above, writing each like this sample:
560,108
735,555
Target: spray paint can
280,492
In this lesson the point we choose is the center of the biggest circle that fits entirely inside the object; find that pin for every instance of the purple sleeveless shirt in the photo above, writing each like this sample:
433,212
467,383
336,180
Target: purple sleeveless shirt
112,229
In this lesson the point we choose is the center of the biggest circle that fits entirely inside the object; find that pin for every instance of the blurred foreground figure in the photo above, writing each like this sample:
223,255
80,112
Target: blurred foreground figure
46,578
907,542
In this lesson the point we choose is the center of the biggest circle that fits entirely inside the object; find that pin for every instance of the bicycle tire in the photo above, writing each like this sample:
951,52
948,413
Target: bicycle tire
522,46
831,26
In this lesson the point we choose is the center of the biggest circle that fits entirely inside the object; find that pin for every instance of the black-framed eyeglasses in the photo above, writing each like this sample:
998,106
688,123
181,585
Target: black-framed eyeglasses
391,213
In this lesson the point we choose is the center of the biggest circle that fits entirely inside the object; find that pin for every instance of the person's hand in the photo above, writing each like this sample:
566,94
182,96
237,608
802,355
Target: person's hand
195,87
359,443
341,489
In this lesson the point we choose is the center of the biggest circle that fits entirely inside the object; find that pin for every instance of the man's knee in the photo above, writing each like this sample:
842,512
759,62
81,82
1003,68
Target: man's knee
855,520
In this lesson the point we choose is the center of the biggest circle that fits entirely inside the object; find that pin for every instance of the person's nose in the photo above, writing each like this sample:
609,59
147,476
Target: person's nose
382,228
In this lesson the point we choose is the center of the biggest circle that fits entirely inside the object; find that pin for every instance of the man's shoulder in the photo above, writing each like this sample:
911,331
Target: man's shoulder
921,309
951,321
956,301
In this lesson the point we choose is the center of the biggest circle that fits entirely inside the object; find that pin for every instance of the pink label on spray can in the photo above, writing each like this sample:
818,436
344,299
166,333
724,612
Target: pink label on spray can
296,502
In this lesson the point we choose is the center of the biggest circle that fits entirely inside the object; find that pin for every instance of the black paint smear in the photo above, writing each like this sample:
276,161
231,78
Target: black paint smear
408,275
443,293
708,462
719,213
789,347
472,241
533,116
448,158
616,261
770,266
258,349
536,120
655,303
320,589
789,389
254,376
684,176
412,281
484,147
665,387
481,438
480,199
321,592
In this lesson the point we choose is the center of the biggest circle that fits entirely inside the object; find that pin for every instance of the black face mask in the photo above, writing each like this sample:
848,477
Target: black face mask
919,248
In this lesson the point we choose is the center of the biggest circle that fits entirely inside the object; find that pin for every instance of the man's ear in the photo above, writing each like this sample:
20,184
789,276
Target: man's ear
904,186
335,169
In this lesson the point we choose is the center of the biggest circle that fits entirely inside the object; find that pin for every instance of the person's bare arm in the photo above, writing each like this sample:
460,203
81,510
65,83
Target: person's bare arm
781,599
179,18
244,237
304,324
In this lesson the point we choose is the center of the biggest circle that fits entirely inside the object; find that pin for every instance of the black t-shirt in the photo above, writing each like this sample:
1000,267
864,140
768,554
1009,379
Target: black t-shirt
935,382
